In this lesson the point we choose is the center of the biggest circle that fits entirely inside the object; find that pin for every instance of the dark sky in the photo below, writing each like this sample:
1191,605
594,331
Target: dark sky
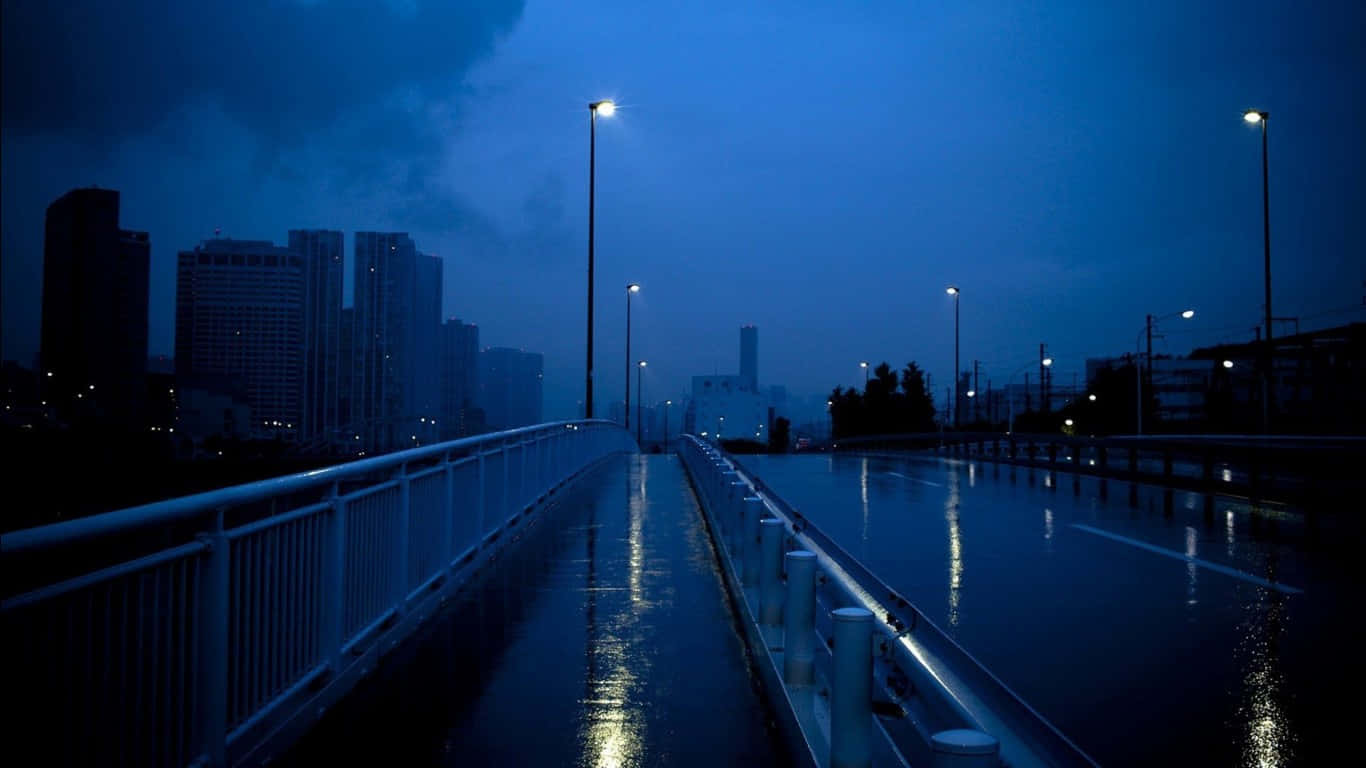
820,171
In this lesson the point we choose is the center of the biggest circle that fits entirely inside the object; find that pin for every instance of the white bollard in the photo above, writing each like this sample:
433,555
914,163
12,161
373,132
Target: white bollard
851,689
749,544
799,616
965,748
771,571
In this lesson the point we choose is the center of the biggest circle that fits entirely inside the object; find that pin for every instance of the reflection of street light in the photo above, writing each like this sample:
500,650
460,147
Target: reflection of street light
606,108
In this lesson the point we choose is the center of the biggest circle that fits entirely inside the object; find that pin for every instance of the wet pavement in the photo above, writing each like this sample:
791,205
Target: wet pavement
602,638
1153,628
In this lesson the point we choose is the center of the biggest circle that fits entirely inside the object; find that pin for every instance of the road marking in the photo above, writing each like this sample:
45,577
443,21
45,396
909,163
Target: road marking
915,479
1224,569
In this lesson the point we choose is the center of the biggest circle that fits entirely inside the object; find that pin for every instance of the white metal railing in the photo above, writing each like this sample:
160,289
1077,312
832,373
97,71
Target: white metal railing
272,601
827,633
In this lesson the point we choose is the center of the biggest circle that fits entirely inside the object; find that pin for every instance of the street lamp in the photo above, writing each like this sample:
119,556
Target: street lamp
1047,363
1228,363
864,365
1092,398
606,108
1257,116
667,403
640,369
630,289
1185,314
953,291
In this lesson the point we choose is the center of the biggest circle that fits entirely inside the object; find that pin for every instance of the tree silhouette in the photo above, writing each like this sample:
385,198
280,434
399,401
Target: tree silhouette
883,407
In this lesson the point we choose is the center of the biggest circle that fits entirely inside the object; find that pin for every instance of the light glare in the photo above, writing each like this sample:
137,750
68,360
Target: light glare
1047,361
1252,116
1188,314
606,108
1228,363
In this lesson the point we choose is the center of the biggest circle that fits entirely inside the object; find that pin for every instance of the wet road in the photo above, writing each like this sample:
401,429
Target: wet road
603,638
1151,630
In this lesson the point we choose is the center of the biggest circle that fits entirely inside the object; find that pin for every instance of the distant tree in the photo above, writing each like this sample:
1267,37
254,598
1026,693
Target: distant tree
779,436
882,408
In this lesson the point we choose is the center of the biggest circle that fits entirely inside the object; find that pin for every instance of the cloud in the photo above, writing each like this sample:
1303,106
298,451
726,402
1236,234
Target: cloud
99,72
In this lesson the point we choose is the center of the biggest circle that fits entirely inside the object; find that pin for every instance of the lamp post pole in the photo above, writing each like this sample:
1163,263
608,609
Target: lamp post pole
640,370
606,107
1268,349
954,291
630,289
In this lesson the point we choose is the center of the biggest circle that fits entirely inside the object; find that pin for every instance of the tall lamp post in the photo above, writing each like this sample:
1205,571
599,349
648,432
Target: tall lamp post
1185,314
953,291
1047,362
605,108
630,289
667,403
1257,116
864,365
640,369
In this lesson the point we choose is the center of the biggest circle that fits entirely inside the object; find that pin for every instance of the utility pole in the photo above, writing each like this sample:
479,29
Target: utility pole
976,393
1043,381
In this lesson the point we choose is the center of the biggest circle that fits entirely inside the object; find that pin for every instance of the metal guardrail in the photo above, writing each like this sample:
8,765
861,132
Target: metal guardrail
880,684
1307,471
221,647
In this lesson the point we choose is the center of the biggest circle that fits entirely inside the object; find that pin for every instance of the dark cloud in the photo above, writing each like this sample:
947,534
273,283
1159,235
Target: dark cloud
100,71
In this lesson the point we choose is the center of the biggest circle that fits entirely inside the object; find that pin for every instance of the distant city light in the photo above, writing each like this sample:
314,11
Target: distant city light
1092,398
1228,363
972,393
49,374
1068,422
92,387
1188,314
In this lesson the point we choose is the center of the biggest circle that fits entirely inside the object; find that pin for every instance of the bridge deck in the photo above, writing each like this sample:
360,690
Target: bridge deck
604,637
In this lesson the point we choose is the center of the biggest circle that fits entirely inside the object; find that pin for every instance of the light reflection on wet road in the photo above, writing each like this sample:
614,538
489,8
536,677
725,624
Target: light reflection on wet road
1152,630
602,640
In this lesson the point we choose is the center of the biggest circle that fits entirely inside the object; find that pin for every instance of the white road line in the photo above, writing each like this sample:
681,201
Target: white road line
1224,569
915,479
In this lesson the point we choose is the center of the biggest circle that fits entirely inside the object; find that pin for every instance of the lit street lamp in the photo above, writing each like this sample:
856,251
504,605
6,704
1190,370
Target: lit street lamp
606,108
640,396
667,403
1257,116
1185,314
953,291
864,365
630,289
1047,362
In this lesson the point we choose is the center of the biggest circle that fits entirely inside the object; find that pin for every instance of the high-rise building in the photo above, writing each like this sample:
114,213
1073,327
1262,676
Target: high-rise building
749,356
240,329
459,379
323,265
346,376
427,332
395,393
93,350
510,382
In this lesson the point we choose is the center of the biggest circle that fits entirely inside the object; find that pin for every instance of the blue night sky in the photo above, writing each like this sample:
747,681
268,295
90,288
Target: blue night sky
822,170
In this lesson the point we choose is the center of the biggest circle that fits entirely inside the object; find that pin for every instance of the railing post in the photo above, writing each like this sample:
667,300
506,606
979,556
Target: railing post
447,529
334,582
401,538
753,507
964,748
480,508
213,641
770,571
799,616
851,689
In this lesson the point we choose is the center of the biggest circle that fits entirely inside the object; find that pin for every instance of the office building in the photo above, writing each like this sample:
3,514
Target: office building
322,254
93,346
240,330
510,383
460,363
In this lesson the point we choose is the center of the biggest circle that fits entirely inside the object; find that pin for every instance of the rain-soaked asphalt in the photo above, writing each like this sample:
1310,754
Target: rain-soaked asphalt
1151,630
602,638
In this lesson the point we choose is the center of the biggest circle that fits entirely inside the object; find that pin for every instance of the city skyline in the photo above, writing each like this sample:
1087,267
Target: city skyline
1053,166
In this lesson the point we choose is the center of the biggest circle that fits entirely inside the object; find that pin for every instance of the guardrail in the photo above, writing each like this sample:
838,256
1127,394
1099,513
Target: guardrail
261,604
858,676
1310,472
